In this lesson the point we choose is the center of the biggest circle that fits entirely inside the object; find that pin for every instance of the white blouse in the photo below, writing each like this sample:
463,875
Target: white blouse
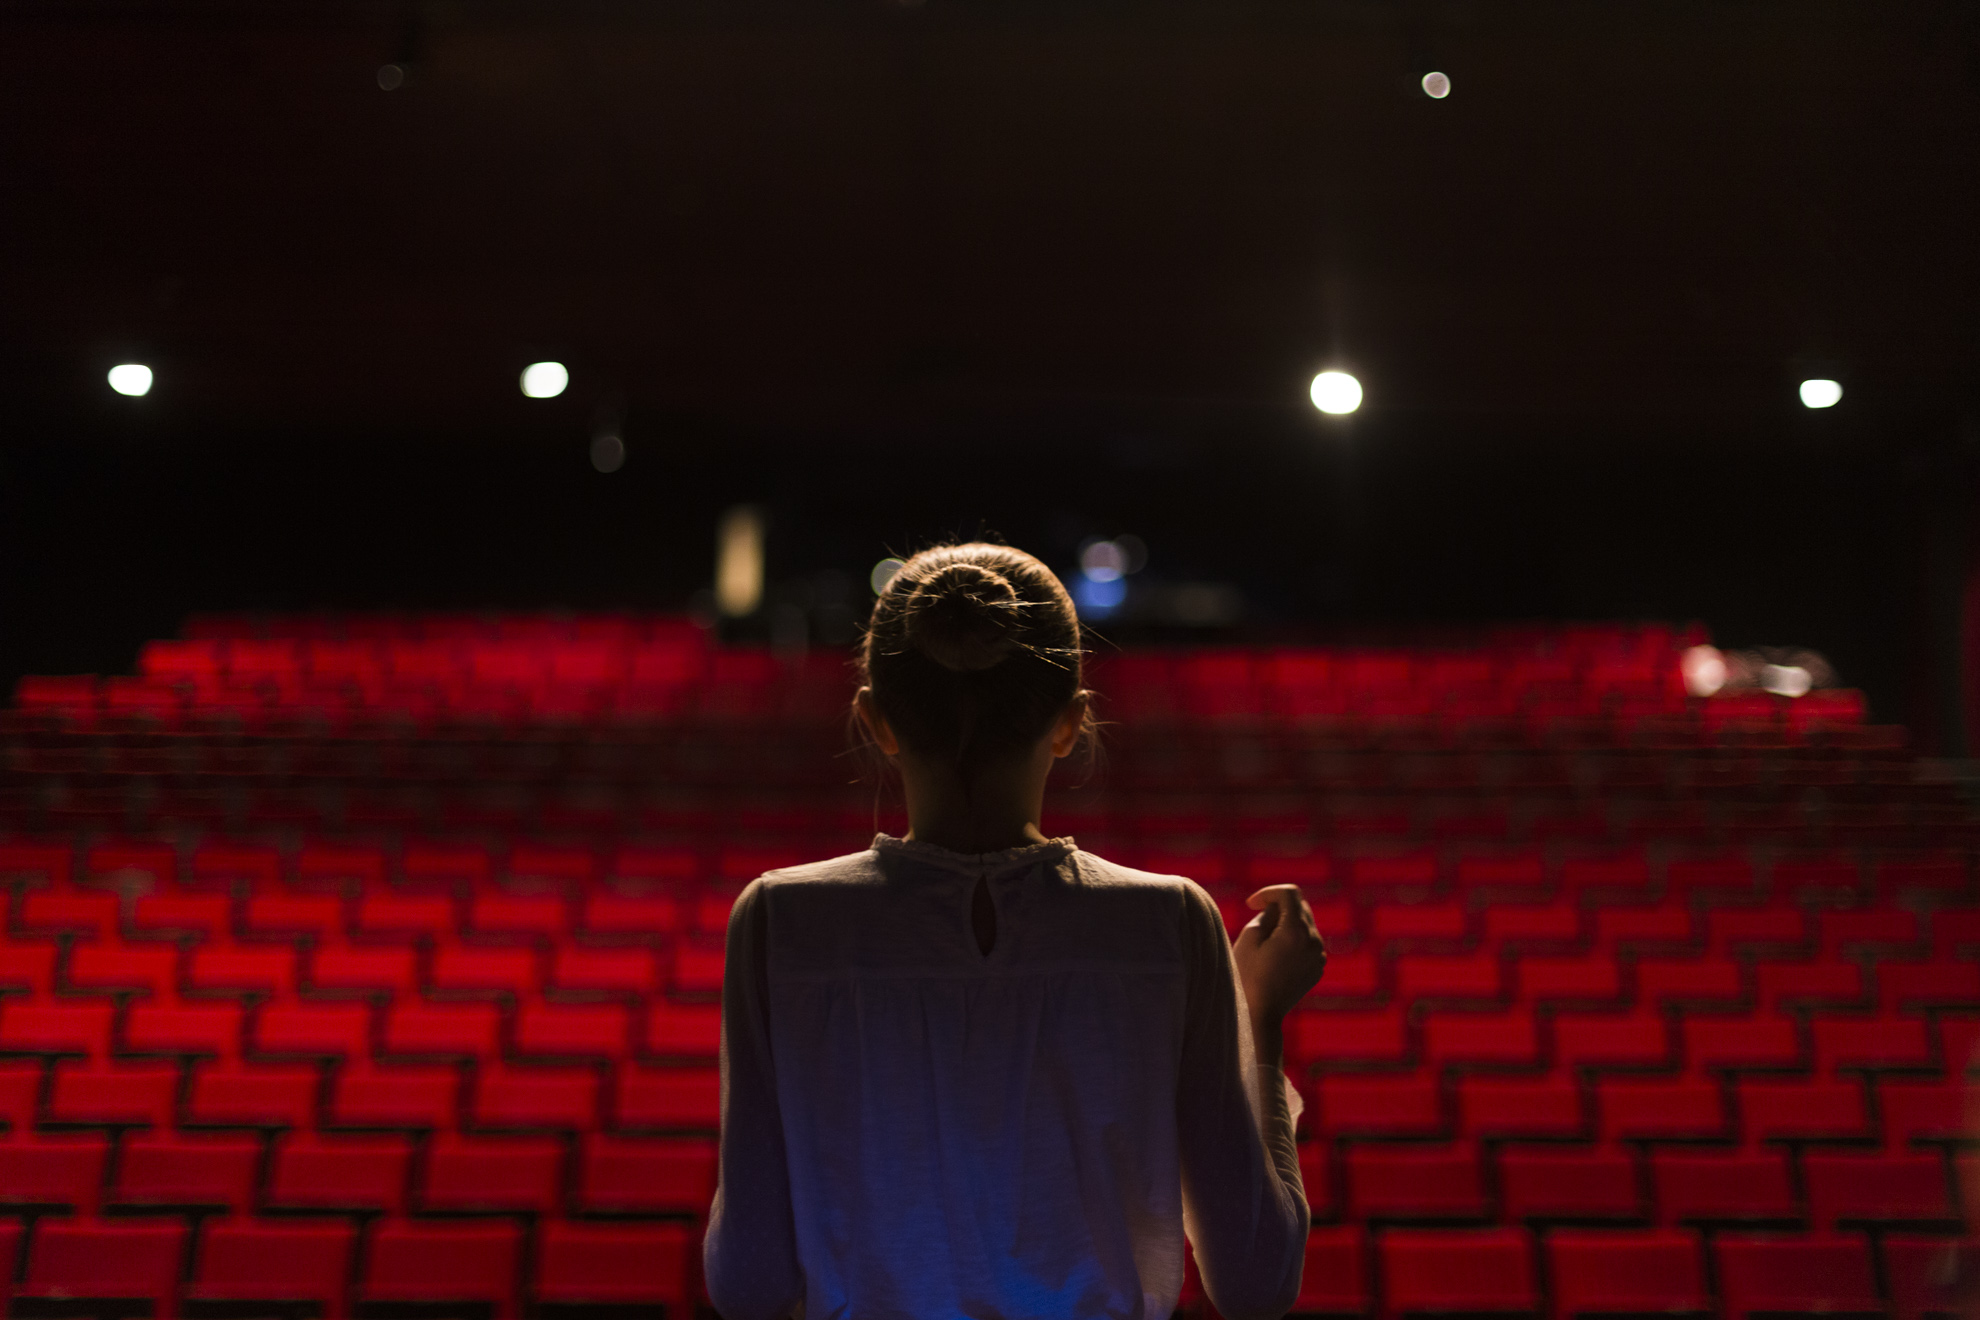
914,1129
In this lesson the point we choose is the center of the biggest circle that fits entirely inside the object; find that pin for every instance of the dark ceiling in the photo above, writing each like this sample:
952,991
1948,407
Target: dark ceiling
856,209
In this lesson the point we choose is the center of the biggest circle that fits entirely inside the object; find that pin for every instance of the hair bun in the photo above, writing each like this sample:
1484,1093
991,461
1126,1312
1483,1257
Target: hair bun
964,617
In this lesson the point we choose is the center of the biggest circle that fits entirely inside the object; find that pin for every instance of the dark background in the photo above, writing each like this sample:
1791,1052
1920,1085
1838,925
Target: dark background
1045,270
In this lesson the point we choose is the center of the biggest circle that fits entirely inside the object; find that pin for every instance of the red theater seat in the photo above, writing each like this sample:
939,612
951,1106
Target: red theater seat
253,1096
314,1030
1705,983
1641,1273
275,1261
1568,1184
1415,1183
1922,1276
1481,1038
149,968
1379,1105
493,1173
1871,1043
1360,1036
1519,1106
601,1031
445,1262
681,1031
124,1095
1922,1109
536,1097
55,1170
393,1096
98,1259
1591,978
668,1098
617,1264
665,1174
459,969
1728,1042
1851,1189
1639,1038
192,1028
1781,985
1763,1273
339,968
242,970
1457,1270
1777,1108
442,1030
56,1028
191,1170
340,1173
1629,1108
1908,987
1335,1280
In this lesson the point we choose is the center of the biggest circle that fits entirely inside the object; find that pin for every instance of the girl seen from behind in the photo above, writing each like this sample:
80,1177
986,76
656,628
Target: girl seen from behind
974,1071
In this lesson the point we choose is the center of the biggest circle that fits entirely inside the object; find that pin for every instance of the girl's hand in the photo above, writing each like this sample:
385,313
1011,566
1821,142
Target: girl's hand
1280,954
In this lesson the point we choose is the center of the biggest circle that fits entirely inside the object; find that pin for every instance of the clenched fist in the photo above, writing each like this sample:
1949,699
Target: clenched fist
1280,954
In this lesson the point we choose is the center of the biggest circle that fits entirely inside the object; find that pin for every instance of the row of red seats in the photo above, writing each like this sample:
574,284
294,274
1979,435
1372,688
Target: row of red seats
1897,1111
1598,923
128,808
244,1173
1410,1270
1609,718
355,1027
404,1262
1833,987
495,1019
1401,1272
619,627
1702,1041
327,865
194,1070
1455,1182
1464,1181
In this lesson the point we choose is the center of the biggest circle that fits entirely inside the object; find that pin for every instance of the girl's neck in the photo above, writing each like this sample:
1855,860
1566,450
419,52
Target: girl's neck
996,813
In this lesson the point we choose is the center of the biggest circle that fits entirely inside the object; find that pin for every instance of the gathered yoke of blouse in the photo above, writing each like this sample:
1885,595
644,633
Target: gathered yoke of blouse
914,1128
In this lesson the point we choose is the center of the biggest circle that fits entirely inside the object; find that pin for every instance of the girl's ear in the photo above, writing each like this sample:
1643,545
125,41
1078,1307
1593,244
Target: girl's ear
876,723
1071,724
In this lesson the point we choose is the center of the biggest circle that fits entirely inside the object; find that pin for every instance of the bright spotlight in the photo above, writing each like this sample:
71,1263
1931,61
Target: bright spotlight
1704,670
1336,392
1820,394
1436,86
132,378
544,380
608,452
1786,680
883,573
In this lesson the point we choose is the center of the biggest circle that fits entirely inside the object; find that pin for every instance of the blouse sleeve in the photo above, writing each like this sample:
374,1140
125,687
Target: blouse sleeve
750,1253
1243,1205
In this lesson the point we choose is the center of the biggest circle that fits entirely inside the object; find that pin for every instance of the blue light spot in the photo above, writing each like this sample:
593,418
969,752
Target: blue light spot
1098,597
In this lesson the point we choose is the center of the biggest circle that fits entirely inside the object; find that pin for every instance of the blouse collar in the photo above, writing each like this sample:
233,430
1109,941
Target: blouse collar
990,863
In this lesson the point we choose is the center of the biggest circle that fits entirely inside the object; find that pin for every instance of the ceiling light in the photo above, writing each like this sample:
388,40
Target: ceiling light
132,378
544,380
1336,392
